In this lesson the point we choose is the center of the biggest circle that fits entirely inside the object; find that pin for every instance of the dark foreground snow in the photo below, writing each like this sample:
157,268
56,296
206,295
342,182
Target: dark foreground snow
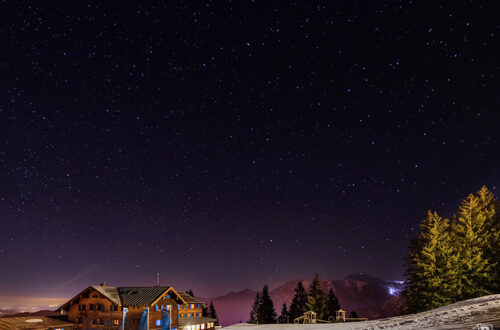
462,315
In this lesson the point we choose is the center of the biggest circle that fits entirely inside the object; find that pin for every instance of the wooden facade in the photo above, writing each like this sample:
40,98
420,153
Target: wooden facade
105,307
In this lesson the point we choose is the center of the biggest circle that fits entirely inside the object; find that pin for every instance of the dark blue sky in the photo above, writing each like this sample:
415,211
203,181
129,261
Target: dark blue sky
231,144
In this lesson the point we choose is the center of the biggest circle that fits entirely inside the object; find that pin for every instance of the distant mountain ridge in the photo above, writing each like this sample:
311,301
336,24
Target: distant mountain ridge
368,296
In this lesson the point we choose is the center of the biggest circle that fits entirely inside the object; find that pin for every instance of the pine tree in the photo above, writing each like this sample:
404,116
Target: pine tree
190,292
354,315
332,304
213,314
255,309
299,301
317,299
431,272
283,318
266,313
471,238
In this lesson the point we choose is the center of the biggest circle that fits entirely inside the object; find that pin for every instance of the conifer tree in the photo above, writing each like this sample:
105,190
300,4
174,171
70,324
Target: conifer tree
332,304
266,313
317,299
475,270
213,314
455,260
299,301
204,310
490,206
430,262
254,312
354,315
283,318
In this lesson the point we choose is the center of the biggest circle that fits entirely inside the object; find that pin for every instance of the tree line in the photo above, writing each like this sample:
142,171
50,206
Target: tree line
457,258
324,305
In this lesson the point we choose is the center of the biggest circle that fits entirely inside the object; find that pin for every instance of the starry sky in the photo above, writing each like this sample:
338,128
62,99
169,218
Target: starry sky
228,144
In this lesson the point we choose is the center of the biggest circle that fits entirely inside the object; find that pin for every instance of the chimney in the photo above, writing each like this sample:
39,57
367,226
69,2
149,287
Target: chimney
104,284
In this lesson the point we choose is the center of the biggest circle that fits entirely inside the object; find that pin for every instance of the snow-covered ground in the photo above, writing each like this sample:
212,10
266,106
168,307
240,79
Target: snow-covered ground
462,315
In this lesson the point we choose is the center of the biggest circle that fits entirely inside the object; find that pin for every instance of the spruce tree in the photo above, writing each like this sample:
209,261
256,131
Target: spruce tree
299,301
475,270
490,207
354,315
332,304
204,311
213,314
254,312
317,299
266,313
431,272
283,318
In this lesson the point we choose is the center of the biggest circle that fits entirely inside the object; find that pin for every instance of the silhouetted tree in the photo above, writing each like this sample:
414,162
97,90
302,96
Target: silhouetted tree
283,318
212,313
299,301
254,312
266,314
332,304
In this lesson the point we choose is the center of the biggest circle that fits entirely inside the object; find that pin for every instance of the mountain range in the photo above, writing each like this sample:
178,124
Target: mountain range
369,296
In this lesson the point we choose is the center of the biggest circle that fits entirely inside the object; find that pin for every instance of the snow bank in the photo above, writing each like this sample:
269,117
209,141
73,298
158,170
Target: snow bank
461,315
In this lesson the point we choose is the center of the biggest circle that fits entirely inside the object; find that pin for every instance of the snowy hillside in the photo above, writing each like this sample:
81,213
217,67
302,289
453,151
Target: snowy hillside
462,315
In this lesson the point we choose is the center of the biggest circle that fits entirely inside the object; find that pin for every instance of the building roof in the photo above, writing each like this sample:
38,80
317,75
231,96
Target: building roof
33,323
189,299
109,292
194,320
140,296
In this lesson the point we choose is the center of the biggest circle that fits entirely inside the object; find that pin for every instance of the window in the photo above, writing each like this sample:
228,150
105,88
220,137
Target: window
91,321
83,307
95,296
192,306
168,296
156,307
202,326
80,320
198,305
158,323
197,327
101,321
169,307
178,307
116,322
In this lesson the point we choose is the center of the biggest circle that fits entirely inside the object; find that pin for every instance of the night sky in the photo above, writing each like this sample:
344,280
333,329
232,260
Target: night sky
229,144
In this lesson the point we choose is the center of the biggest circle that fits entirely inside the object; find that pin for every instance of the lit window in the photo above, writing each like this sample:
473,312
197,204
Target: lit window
156,307
198,305
197,327
202,326
158,323
192,306
168,296
169,307
116,322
